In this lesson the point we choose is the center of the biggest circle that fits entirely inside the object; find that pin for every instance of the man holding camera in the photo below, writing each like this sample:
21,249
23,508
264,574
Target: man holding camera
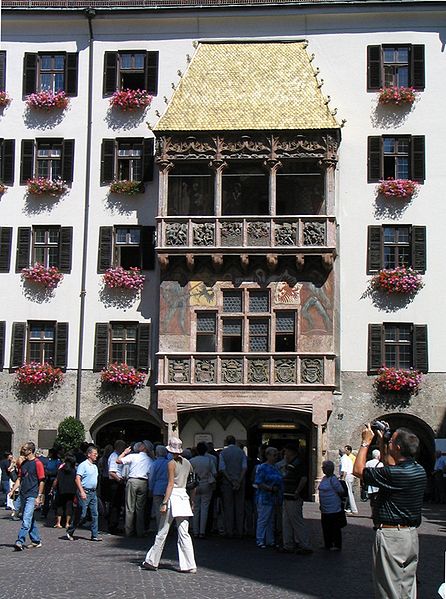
397,509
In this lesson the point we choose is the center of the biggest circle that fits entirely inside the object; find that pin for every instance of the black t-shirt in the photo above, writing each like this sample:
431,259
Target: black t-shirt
65,481
31,474
293,472
4,465
401,490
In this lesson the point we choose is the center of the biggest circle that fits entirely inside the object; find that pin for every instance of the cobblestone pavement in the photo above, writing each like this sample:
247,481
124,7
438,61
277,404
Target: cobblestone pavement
227,569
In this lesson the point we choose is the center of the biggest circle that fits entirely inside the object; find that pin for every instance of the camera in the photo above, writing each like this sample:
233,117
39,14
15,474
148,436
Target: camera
379,425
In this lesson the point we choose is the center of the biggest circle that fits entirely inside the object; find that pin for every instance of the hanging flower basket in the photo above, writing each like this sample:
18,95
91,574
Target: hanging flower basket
3,188
36,374
398,96
400,280
130,99
397,188
47,100
129,188
122,375
41,275
5,100
42,186
119,278
398,379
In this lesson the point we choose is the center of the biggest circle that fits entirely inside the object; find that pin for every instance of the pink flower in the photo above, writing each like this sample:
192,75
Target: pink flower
130,99
397,280
123,375
5,100
47,277
128,187
48,100
119,278
397,188
398,379
42,185
397,95
37,374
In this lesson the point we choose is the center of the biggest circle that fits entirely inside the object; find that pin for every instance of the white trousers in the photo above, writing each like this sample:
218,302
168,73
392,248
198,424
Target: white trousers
349,480
184,543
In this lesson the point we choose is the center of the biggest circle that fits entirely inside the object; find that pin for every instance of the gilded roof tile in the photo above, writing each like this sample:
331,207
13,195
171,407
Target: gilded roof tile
248,86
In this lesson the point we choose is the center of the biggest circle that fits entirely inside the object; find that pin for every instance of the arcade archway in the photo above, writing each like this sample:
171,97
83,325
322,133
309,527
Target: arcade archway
131,423
5,435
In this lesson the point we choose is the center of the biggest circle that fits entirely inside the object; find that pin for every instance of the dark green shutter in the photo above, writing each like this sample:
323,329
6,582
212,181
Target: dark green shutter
30,73
148,159
143,348
374,159
2,343
23,248
7,166
71,69
27,161
100,360
420,350
376,353
374,68
110,73
105,248
417,67
374,249
65,249
152,59
61,348
18,344
419,249
5,248
418,158
147,248
68,160
2,71
108,151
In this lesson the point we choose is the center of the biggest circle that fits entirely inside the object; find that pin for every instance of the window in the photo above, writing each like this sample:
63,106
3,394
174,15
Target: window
2,71
51,246
396,158
5,248
398,345
7,155
395,65
2,343
56,71
39,341
127,160
191,190
130,69
206,331
390,246
245,189
126,246
49,158
299,188
127,342
285,331
46,246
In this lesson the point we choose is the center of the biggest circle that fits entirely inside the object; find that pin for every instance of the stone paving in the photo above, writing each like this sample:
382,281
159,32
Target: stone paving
227,569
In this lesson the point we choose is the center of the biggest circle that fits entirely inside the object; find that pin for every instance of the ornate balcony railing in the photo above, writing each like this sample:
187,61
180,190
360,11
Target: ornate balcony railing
304,370
233,234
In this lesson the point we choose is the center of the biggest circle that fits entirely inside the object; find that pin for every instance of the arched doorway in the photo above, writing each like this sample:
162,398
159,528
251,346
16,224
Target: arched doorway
131,423
5,435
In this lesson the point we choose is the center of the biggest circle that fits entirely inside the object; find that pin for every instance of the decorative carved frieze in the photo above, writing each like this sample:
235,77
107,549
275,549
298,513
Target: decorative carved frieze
314,233
231,233
231,371
258,233
179,371
285,371
258,371
312,370
204,234
205,371
176,234
286,234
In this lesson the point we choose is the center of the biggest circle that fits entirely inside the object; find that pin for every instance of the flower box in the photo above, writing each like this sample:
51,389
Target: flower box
36,374
42,186
400,280
129,188
3,188
122,375
5,100
398,96
48,100
130,99
398,380
41,275
397,188
119,278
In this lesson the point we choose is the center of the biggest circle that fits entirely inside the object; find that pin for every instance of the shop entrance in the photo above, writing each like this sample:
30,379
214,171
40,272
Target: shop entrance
5,435
130,423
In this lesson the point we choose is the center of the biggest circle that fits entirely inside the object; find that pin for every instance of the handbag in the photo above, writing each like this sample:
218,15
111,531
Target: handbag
192,481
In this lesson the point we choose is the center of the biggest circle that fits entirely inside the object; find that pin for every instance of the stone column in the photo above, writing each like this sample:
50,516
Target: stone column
218,166
164,166
329,166
272,165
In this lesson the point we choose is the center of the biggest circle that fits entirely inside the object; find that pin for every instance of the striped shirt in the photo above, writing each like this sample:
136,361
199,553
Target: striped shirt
400,496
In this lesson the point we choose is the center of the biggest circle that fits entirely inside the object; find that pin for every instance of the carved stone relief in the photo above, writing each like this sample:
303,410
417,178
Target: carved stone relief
286,234
179,371
176,234
205,371
312,370
231,371
285,371
258,371
314,233
204,234
258,233
231,233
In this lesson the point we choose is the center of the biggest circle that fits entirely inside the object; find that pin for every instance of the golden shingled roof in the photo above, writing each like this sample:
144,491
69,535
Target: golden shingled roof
248,86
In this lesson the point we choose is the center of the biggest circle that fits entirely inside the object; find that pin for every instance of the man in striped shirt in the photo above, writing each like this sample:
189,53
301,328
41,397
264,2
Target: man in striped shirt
396,512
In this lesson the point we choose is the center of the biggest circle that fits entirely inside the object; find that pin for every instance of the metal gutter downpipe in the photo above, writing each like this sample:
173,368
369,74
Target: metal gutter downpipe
89,14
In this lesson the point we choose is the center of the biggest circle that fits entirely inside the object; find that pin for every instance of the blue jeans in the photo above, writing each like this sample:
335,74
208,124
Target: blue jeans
265,524
29,526
81,513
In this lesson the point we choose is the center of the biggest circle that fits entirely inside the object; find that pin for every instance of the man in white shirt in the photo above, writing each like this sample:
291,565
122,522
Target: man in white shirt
117,486
375,462
139,464
347,475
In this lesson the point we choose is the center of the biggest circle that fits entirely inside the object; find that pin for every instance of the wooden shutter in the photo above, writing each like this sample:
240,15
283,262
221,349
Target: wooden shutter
419,249
5,248
108,153
417,67
68,160
374,68
148,159
23,248
61,347
147,248
2,343
100,360
152,59
374,249
30,73
420,350
418,160
65,249
110,73
143,347
105,248
71,69
374,159
376,353
7,167
27,161
18,344
2,71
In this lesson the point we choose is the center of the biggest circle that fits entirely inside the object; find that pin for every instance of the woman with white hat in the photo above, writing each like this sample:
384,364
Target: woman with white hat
175,505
